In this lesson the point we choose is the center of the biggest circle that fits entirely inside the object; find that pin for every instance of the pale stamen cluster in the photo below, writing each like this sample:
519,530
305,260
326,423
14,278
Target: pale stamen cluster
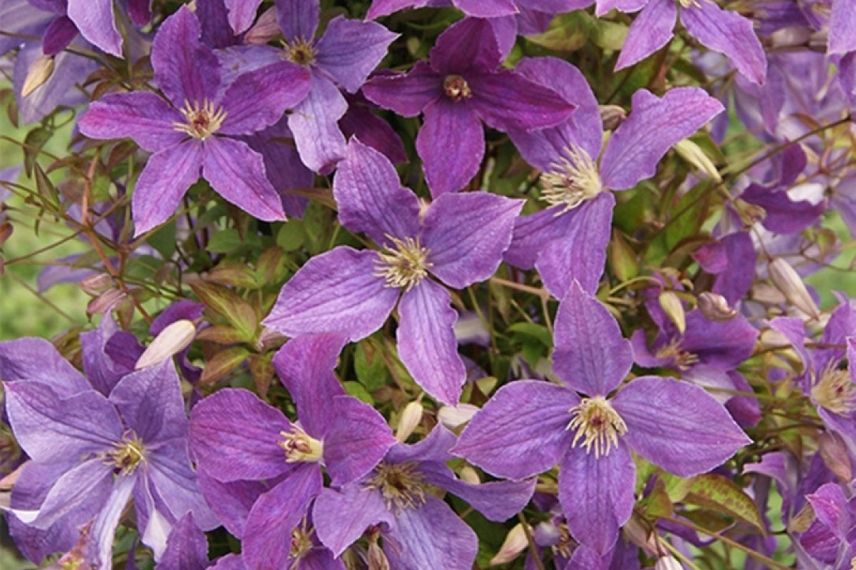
572,180
300,51
835,391
405,265
201,121
683,359
456,88
300,446
127,455
400,485
597,424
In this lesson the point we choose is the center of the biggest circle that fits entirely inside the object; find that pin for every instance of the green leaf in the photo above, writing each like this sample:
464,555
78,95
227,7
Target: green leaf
357,390
533,331
370,365
225,241
163,240
33,144
228,304
720,494
222,364
290,236
567,32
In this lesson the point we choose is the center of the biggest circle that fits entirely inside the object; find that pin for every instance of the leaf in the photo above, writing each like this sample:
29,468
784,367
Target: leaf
228,304
567,32
33,144
719,494
290,235
369,365
221,334
532,331
357,390
222,364
225,241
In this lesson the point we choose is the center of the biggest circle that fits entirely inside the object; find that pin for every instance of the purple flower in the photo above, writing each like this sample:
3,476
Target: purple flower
234,437
419,530
459,241
528,426
461,86
476,8
568,240
195,131
831,538
91,453
719,30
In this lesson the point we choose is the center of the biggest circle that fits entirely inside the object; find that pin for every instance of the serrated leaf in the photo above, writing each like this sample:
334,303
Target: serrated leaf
720,494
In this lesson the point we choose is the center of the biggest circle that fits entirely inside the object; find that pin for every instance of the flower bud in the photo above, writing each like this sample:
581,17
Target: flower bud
96,284
693,154
409,419
674,309
105,302
469,475
264,30
515,543
788,281
668,563
455,416
833,450
39,72
715,307
377,559
171,340
612,116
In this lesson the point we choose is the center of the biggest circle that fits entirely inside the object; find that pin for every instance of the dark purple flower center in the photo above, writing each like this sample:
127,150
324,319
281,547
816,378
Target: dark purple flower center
400,484
456,88
300,51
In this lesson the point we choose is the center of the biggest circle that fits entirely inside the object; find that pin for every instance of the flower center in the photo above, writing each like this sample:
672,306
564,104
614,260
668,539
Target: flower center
456,88
572,180
299,446
301,542
201,121
597,424
673,351
401,486
300,51
835,391
688,3
127,455
405,264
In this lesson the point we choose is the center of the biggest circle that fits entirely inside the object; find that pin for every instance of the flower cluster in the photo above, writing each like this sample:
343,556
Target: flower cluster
433,284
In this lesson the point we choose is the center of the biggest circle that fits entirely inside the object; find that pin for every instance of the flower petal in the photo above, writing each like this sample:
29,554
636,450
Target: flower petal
466,235
650,30
257,99
97,23
298,19
186,547
350,49
596,494
336,291
370,197
89,482
426,341
356,442
729,33
842,28
37,360
447,126
405,93
150,403
231,502
237,173
677,425
466,45
315,125
590,356
653,126
234,436
723,345
380,8
101,369
141,116
486,8
242,14
521,431
508,100
341,517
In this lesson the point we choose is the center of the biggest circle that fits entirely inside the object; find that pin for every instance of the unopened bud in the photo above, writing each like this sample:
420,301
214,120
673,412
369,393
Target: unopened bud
455,416
668,563
96,284
410,418
612,116
470,475
715,307
693,153
515,543
792,36
105,302
171,340
377,559
264,30
674,309
39,72
833,450
788,281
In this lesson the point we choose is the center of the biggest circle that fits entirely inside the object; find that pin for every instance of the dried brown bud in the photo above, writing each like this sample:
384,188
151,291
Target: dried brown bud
612,116
715,307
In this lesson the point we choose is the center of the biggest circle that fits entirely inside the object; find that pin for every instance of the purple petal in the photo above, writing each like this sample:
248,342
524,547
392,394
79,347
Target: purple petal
783,215
88,482
242,13
336,291
234,436
97,23
161,186
405,93
508,101
183,309
315,125
237,173
50,427
59,33
426,341
150,403
306,365
103,529
185,69
521,431
486,8
370,197
842,28
102,371
628,6
19,18
735,281
450,125
173,485
141,116
653,126
597,495
435,447
350,49
298,19
61,88
231,502
37,360
466,235
702,436
361,123
257,99
380,8
590,356
267,537
467,45
356,441
728,33
340,517
721,344
186,548
431,536
651,30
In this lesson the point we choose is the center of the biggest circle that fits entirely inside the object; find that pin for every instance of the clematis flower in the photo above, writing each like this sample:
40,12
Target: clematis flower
399,499
831,537
91,453
459,241
461,86
719,30
235,436
568,240
528,426
475,8
195,131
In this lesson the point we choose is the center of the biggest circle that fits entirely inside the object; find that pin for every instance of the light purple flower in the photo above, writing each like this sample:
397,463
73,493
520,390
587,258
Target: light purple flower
459,240
568,240
528,426
460,87
476,8
195,131
831,538
91,453
236,437
419,530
